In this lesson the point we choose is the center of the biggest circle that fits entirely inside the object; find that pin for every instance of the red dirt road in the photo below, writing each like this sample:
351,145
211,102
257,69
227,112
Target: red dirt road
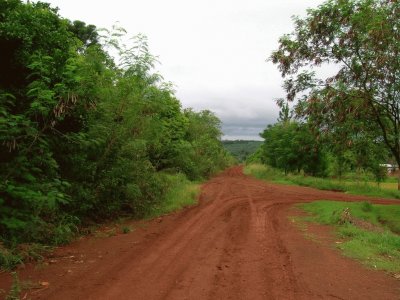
238,243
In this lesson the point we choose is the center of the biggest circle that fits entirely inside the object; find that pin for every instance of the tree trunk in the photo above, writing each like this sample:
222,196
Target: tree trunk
398,178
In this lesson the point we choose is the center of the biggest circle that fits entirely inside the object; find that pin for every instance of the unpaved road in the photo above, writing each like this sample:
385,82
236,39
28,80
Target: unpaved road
238,243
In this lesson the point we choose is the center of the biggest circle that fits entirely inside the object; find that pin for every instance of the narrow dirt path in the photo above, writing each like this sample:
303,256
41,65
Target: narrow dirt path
238,243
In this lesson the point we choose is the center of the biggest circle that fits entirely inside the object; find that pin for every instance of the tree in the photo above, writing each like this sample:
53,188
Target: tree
206,152
87,34
37,85
362,39
290,146
85,137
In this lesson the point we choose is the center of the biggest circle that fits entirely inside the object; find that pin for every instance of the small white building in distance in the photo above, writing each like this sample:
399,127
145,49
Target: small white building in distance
390,168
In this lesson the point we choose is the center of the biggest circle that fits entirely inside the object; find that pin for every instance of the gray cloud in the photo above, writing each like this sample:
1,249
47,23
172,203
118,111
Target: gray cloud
245,112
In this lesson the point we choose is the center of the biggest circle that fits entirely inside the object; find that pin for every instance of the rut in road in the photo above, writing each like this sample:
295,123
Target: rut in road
238,243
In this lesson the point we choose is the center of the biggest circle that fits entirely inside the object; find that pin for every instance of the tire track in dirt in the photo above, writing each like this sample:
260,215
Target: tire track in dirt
237,243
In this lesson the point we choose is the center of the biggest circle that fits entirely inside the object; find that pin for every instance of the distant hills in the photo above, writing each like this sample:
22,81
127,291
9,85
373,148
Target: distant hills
241,149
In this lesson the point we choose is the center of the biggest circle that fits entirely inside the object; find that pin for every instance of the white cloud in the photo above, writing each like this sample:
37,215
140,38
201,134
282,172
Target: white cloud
214,51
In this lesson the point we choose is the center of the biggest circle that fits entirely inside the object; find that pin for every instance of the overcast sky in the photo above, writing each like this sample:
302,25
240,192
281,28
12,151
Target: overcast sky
213,51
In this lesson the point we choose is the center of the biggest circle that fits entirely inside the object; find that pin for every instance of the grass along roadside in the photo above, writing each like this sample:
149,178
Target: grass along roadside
180,193
365,188
367,232
11,258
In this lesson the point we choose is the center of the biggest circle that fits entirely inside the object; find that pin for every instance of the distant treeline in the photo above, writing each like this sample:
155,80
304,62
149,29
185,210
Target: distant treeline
241,149
86,137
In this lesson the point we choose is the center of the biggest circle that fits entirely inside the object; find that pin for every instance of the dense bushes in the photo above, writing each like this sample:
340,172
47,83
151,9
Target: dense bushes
85,137
290,146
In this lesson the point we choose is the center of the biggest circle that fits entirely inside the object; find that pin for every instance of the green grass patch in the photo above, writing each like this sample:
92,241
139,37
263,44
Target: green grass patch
328,212
12,257
378,247
366,188
264,172
126,229
389,185
181,192
9,259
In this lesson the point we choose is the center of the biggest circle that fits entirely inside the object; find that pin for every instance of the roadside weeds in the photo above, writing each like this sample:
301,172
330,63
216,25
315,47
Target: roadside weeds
366,232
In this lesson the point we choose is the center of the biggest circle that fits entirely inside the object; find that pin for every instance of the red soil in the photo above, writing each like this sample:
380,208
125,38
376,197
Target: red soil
237,243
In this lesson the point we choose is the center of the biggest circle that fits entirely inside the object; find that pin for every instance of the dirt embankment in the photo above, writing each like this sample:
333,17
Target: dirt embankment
238,243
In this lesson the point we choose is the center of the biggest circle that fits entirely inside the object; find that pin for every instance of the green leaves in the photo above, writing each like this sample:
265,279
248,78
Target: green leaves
361,100
291,146
86,138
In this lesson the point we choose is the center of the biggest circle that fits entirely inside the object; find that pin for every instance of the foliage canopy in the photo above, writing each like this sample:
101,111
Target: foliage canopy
85,137
361,100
